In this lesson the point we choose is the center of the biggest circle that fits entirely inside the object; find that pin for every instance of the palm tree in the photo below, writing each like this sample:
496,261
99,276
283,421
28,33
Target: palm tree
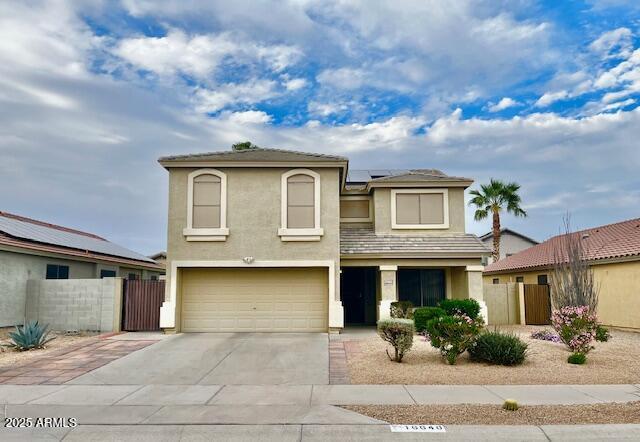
493,198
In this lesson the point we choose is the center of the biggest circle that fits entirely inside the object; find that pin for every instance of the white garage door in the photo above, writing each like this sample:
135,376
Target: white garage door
254,300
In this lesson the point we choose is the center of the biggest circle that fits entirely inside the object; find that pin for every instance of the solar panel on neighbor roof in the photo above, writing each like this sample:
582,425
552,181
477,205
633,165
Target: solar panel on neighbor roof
362,176
48,235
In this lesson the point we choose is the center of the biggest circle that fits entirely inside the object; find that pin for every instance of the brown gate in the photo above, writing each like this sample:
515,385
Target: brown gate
142,301
537,304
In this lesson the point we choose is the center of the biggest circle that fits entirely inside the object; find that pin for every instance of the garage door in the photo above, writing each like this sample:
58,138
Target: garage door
250,300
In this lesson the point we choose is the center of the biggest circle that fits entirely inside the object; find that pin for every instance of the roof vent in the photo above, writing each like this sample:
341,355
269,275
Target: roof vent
585,235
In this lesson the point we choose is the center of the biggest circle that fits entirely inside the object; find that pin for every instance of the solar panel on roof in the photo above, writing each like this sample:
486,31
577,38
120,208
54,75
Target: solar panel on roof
48,235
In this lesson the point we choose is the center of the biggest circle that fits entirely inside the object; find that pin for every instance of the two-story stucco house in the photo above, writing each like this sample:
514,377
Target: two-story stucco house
275,240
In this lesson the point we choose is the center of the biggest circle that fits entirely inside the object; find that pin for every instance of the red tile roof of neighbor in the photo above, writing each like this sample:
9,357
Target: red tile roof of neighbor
605,242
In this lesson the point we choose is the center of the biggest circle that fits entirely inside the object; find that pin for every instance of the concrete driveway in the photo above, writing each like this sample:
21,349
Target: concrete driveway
221,359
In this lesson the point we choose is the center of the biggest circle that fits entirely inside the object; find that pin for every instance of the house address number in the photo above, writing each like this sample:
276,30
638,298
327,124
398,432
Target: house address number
418,428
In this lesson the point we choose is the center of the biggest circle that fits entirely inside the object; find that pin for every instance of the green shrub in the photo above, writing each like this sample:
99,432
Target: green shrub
402,309
453,335
398,333
422,315
602,334
499,348
469,307
32,335
577,358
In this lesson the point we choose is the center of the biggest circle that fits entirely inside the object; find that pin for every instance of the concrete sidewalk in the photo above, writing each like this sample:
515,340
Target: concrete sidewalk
294,433
310,395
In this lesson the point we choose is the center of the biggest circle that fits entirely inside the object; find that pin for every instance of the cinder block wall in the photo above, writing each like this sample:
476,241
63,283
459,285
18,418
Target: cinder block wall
75,304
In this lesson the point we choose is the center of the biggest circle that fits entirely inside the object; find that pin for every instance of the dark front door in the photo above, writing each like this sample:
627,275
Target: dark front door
358,292
423,287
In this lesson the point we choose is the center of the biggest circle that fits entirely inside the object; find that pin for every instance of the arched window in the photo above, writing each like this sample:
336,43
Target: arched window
300,220
207,206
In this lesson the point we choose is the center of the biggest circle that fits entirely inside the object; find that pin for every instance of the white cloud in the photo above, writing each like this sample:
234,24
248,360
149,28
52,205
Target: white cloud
295,84
614,43
503,104
248,117
549,98
343,78
253,91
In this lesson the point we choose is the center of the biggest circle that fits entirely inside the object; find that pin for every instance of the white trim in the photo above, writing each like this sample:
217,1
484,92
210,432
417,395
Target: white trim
388,267
168,309
445,211
474,268
207,234
358,220
287,234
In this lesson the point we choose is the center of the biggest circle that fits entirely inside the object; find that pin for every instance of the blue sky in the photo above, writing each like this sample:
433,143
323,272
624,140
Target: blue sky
544,93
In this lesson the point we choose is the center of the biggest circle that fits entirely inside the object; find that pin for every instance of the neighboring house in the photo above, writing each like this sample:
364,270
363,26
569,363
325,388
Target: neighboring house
31,249
614,254
511,242
160,258
274,240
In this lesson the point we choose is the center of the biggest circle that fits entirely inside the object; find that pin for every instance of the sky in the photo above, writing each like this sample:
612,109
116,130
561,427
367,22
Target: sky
540,92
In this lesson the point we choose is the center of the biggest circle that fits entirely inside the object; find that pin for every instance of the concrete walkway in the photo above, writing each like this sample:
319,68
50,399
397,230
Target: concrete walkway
321,433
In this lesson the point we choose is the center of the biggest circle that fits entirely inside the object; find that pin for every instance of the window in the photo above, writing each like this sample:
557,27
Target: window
496,280
107,273
519,278
542,280
154,277
55,271
354,209
420,209
206,206
133,276
300,210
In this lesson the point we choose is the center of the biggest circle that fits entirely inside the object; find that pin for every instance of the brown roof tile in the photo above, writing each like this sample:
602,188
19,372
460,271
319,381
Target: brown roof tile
605,242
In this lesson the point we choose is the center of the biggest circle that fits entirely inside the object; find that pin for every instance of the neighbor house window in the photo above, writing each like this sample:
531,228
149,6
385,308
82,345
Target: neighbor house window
133,276
55,271
420,209
496,280
354,209
542,280
206,206
107,273
300,209
519,278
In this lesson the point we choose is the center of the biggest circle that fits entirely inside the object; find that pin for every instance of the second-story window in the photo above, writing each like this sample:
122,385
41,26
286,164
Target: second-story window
300,219
206,206
420,209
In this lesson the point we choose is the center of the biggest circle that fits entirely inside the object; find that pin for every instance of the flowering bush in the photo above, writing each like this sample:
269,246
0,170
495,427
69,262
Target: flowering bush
453,335
546,335
576,327
398,333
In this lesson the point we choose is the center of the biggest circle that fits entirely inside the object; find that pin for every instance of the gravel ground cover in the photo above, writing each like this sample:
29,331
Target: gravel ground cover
494,415
9,357
613,362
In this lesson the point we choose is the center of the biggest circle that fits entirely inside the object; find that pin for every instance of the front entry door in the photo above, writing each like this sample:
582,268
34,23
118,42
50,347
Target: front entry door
423,287
358,293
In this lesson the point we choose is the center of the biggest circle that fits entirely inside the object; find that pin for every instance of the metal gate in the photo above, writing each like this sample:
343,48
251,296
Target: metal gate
142,301
537,304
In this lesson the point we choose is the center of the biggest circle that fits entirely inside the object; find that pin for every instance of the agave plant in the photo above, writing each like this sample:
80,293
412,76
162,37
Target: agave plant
32,335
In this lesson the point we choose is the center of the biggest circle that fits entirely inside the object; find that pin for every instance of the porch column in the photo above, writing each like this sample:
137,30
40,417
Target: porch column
388,290
474,287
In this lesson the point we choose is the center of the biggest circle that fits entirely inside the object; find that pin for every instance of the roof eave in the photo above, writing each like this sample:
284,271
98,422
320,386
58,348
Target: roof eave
419,184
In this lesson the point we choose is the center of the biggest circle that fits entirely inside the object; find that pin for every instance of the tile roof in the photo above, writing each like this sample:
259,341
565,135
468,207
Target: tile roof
364,240
504,230
417,176
257,154
617,240
19,231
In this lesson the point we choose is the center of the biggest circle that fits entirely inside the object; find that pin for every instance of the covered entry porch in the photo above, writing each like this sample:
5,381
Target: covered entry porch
368,287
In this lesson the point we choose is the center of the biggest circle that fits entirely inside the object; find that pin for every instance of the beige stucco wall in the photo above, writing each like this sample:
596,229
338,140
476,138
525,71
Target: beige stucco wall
382,214
503,303
253,219
619,299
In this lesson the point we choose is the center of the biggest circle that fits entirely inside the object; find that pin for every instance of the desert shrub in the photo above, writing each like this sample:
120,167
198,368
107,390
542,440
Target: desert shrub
422,315
499,348
468,307
453,335
546,335
32,335
398,333
576,327
402,309
602,333
577,358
